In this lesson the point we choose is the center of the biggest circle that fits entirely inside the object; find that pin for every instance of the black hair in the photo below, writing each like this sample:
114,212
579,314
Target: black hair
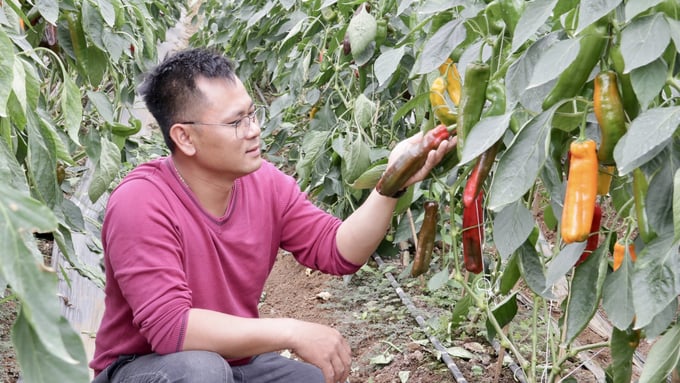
169,90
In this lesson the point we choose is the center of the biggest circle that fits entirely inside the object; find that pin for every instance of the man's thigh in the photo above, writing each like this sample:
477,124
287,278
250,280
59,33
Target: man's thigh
179,367
274,368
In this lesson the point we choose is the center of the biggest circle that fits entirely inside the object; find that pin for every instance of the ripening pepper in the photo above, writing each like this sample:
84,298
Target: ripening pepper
439,104
410,161
426,237
453,81
569,83
472,99
593,237
579,199
604,179
609,113
473,235
620,254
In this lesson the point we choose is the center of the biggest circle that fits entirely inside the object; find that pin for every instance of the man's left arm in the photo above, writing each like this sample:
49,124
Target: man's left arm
360,234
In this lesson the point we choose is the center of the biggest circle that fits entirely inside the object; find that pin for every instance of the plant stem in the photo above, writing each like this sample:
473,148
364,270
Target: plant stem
499,330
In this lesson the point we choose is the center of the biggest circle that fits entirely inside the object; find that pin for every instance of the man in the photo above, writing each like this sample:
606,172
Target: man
190,239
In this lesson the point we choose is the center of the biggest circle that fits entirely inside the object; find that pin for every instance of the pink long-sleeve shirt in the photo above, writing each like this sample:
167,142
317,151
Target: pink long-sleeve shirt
164,254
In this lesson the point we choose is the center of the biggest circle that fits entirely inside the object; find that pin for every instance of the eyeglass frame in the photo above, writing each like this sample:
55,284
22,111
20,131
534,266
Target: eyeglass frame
251,117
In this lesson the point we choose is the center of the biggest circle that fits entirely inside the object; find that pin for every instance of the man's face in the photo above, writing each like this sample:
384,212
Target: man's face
226,136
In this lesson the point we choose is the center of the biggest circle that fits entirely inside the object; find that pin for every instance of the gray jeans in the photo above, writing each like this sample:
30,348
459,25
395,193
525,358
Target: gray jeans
207,367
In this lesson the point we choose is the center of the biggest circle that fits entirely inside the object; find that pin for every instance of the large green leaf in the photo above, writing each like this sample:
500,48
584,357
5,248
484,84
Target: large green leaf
387,63
648,80
617,296
676,205
592,10
42,162
72,108
504,312
554,61
361,31
511,227
521,163
355,160
49,9
635,7
39,365
106,171
438,48
644,40
483,135
663,357
533,17
563,262
647,136
533,272
655,278
585,292
21,265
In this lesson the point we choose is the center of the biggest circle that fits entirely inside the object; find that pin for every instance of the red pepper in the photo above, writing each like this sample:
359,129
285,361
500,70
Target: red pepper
410,161
594,237
473,235
426,237
479,173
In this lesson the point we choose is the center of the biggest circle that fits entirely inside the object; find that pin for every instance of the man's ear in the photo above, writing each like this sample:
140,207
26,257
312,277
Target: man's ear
181,135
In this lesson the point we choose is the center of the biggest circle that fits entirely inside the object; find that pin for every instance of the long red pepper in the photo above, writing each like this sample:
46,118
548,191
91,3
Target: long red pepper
473,235
426,238
410,161
479,174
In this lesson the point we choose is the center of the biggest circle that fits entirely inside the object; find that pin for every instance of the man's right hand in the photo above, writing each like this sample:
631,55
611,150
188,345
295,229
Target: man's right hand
323,347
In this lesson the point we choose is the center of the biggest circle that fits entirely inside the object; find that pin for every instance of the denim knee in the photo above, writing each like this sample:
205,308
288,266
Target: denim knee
196,366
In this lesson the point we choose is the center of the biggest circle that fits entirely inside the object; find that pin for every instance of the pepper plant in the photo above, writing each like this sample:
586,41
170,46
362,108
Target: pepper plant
68,70
345,80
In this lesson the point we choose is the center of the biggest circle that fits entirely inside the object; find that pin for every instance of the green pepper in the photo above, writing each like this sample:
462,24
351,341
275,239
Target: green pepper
426,237
640,186
570,82
472,100
609,113
630,102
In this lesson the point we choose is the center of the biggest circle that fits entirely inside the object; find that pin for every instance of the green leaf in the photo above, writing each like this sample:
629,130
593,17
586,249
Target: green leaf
657,203
563,262
355,160
655,279
361,31
19,84
504,312
93,24
531,266
49,10
39,364
592,10
370,177
617,296
622,353
11,171
312,147
106,170
534,16
438,48
554,61
72,108
663,357
521,163
635,7
644,40
511,227
647,135
648,80
364,111
42,162
387,63
460,310
483,135
438,280
585,292
107,11
676,205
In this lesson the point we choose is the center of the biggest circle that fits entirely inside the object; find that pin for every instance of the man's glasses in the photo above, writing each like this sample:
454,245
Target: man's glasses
241,126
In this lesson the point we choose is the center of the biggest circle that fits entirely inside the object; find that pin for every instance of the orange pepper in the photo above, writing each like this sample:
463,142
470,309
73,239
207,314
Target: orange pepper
620,253
579,200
